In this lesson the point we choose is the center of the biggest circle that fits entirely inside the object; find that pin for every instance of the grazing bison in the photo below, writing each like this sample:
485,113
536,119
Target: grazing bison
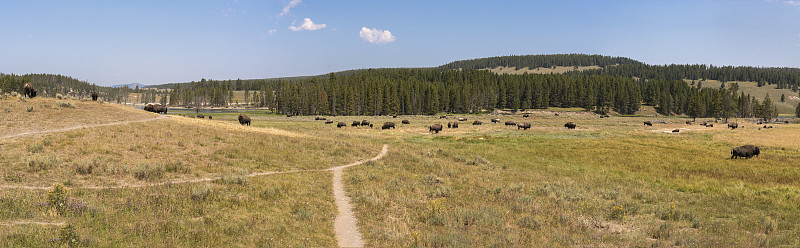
406,122
510,123
341,124
709,125
94,95
477,122
689,122
201,116
746,151
355,124
556,114
150,108
527,115
676,130
155,108
462,119
648,123
319,118
455,124
524,125
443,117
29,91
449,125
733,125
387,125
495,120
394,116
365,123
210,117
244,120
329,122
570,125
435,128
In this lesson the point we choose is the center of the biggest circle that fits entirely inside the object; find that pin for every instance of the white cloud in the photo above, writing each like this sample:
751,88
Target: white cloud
376,36
308,25
795,3
288,7
272,31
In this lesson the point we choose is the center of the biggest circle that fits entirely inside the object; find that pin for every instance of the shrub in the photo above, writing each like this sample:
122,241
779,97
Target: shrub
663,232
272,192
66,104
769,224
201,193
617,212
84,168
14,177
177,167
478,161
59,96
441,191
146,171
57,197
69,236
40,163
35,148
234,179
530,222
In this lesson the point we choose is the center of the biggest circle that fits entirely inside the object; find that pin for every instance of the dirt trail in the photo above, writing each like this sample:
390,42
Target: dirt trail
160,117
345,224
15,223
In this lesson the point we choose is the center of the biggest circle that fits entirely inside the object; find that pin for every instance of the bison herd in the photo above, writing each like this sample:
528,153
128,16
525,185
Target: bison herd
155,108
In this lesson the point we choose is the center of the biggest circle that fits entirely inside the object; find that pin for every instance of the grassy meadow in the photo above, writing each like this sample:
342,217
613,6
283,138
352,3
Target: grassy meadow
610,182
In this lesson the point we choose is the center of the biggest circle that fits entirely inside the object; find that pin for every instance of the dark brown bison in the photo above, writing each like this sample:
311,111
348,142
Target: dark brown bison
319,118
449,125
524,125
527,115
387,125
288,115
676,130
394,116
510,123
201,116
648,123
355,124
477,122
709,125
435,128
556,114
746,151
733,125
94,95
365,123
328,122
155,108
495,120
150,108
570,125
244,120
210,117
455,124
29,91
443,117
462,119
341,124
689,122
406,122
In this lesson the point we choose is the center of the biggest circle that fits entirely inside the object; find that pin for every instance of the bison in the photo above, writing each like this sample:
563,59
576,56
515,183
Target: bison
150,108
495,120
435,128
341,124
648,123
510,123
319,118
244,119
288,115
94,95
406,122
29,91
570,125
676,130
355,124
394,116
155,108
746,151
455,124
733,125
387,125
365,123
462,119
328,122
449,125
477,122
556,114
201,116
689,122
709,125
443,117
526,115
210,117
524,125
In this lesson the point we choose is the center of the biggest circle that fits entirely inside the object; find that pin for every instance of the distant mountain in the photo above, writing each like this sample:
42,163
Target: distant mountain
132,85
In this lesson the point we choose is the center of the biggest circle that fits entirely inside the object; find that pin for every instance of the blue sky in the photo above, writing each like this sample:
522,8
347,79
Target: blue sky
152,42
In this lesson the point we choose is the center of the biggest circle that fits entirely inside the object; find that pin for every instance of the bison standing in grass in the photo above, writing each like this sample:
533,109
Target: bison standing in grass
495,120
510,123
244,120
570,125
387,125
328,122
648,123
746,151
94,95
526,115
435,128
477,122
341,124
462,119
201,116
733,125
406,122
319,118
524,125
29,91
355,124
365,123
443,117
455,124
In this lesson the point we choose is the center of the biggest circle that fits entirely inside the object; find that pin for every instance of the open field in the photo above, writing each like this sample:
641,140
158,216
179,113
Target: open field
611,182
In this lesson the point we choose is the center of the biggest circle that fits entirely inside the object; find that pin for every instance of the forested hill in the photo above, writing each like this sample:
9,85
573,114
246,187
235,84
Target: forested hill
536,61
49,85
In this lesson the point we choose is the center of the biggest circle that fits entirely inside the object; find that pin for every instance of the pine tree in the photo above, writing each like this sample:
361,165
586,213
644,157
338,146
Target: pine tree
797,111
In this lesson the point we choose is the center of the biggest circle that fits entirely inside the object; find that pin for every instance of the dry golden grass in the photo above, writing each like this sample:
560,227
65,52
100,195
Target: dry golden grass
541,70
